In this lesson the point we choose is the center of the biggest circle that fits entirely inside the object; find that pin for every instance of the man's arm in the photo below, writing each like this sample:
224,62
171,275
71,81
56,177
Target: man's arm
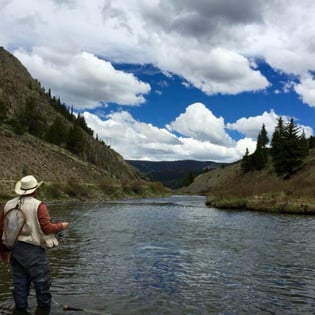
44,221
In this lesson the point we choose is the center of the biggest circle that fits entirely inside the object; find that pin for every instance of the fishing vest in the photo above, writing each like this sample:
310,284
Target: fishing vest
31,232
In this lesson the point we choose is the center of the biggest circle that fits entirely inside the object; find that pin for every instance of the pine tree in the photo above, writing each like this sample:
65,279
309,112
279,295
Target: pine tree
82,123
260,156
277,146
311,142
189,179
289,148
246,163
75,140
264,140
57,132
31,117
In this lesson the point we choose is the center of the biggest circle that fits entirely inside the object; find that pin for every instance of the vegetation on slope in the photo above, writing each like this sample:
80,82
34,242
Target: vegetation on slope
41,136
279,178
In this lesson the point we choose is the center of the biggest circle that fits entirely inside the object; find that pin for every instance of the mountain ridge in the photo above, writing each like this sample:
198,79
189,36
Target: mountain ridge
172,173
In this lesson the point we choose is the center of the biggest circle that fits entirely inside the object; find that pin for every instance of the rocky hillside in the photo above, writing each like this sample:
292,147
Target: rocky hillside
24,148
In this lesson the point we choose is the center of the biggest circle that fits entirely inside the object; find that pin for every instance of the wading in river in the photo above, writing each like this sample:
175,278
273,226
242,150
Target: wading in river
26,233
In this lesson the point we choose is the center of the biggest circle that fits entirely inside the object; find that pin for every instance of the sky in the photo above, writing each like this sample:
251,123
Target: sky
166,80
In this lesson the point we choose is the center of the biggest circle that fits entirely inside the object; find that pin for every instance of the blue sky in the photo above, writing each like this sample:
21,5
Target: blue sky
171,79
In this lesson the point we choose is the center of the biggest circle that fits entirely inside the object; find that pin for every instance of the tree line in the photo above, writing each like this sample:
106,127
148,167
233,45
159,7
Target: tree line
65,129
287,151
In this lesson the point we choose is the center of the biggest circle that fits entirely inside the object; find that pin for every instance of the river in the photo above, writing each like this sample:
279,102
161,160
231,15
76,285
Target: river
177,256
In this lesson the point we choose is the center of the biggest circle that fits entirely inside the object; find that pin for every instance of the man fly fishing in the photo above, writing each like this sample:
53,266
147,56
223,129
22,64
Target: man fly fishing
26,232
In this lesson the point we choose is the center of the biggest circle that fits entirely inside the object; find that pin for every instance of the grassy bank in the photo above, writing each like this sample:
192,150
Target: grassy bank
266,203
231,188
75,190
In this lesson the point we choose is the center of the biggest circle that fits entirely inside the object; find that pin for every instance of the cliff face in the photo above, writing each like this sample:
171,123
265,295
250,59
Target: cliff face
27,151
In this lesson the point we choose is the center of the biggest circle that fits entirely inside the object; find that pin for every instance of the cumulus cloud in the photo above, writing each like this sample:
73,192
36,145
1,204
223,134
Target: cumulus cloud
143,141
72,47
208,43
306,89
221,70
83,79
199,123
251,126
163,34
131,138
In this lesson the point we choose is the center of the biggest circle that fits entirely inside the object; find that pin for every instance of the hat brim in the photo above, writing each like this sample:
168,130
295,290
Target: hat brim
22,192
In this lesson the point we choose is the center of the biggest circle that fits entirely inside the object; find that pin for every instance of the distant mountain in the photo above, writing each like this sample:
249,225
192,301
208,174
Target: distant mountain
172,174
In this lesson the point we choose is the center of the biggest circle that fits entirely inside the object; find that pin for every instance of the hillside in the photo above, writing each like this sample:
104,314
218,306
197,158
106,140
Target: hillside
40,136
229,187
172,173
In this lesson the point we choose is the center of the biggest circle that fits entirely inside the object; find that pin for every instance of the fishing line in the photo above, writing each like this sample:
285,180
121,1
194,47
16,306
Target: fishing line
66,307
104,200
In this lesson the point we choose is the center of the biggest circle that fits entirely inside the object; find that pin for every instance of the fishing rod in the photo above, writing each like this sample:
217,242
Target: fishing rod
105,200
66,307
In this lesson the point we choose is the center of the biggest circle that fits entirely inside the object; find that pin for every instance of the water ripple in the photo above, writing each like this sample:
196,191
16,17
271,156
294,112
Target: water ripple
176,256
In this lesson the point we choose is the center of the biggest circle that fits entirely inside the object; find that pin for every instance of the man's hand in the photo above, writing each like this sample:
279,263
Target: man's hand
64,225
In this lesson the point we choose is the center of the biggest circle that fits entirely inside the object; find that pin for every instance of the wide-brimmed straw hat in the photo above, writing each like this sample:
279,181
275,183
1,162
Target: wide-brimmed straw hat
27,185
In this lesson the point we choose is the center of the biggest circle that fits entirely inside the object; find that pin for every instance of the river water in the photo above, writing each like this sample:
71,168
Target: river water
176,256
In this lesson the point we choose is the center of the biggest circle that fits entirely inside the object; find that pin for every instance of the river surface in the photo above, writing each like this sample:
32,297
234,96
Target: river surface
176,256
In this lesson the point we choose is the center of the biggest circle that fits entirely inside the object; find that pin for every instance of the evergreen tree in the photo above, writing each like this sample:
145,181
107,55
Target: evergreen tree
263,137
57,133
30,119
75,140
246,163
304,146
289,148
260,156
82,123
277,143
311,142
189,179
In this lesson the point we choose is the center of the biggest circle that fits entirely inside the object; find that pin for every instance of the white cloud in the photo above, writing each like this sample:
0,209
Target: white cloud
245,144
138,140
251,126
306,89
160,33
142,141
83,79
199,123
216,70
131,138
211,44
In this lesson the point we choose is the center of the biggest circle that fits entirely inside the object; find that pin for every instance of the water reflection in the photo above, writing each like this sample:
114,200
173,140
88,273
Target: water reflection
176,256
